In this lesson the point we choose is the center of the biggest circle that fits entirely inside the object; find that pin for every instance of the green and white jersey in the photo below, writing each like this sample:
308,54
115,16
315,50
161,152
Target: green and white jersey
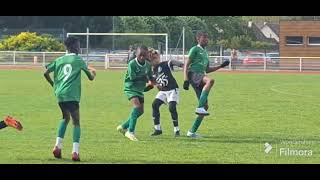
67,76
199,59
136,78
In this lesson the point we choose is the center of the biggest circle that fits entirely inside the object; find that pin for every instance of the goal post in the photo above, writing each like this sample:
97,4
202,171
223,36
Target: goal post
113,57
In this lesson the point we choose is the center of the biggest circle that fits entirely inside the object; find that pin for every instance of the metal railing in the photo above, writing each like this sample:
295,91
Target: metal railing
120,61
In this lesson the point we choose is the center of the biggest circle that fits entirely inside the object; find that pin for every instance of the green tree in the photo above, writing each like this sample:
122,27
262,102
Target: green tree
27,41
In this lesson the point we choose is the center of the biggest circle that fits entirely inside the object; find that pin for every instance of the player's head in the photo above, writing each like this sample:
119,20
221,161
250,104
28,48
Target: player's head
154,56
202,38
142,53
72,44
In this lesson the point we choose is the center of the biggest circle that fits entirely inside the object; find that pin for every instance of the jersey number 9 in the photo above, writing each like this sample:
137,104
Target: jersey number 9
67,69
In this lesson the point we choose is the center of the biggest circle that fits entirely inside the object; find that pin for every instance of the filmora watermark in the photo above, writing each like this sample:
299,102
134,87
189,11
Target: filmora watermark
267,148
290,148
295,152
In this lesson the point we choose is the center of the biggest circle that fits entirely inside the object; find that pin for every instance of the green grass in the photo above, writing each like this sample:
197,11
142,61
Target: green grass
249,110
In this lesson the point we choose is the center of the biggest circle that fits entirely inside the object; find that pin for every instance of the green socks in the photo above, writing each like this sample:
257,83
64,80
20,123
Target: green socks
196,124
203,98
131,122
62,128
76,134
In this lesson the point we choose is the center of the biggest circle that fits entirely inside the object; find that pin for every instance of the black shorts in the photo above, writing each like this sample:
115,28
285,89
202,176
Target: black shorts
141,99
70,106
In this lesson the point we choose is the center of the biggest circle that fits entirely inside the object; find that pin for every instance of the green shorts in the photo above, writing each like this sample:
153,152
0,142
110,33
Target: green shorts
132,94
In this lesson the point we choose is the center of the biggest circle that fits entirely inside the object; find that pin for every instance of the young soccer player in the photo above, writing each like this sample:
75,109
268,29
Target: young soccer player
195,69
168,91
138,74
67,89
11,122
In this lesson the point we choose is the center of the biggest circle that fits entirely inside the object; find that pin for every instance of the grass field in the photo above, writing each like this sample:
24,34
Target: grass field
249,110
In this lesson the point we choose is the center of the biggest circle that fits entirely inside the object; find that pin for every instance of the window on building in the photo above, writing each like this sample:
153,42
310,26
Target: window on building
314,41
294,40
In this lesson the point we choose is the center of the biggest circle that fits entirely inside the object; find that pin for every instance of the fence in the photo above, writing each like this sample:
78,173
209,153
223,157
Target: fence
28,58
109,61
271,63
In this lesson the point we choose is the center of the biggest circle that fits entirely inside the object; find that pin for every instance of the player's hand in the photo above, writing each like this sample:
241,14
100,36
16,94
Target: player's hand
93,70
148,88
186,84
225,63
159,87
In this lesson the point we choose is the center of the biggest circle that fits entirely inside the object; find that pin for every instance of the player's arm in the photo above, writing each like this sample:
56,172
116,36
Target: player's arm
49,68
93,72
151,81
185,69
192,53
186,82
89,71
149,86
48,78
212,69
176,63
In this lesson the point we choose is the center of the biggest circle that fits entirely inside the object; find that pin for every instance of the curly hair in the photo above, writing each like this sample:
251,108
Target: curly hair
71,44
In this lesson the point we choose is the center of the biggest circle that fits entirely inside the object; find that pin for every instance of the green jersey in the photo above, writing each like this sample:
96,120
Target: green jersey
136,78
199,59
67,77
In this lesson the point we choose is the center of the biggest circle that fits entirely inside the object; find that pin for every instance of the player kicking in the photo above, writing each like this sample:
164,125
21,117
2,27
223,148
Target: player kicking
195,70
138,74
169,91
67,89
11,122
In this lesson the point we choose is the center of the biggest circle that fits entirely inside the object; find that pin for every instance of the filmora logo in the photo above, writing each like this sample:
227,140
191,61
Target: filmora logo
267,148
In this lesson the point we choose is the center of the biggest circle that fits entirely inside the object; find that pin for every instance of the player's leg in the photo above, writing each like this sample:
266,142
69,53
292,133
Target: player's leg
11,122
199,118
137,111
196,124
174,117
156,116
160,99
75,114
123,128
61,129
201,85
207,85
173,99
2,125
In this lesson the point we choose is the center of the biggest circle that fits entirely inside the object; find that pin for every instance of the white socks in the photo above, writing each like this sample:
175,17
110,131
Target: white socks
59,142
75,148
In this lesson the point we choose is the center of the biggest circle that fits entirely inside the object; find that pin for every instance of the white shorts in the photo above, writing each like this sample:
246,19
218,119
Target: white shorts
168,96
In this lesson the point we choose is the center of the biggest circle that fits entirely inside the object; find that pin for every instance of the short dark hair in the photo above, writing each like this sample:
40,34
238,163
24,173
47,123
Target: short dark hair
202,33
72,44
143,47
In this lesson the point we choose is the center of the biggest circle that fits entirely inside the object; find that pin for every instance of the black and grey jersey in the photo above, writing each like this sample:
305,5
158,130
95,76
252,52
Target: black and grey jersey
162,74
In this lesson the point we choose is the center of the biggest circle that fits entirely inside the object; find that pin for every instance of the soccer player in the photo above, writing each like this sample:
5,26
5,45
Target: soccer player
138,74
169,91
67,89
11,122
195,69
